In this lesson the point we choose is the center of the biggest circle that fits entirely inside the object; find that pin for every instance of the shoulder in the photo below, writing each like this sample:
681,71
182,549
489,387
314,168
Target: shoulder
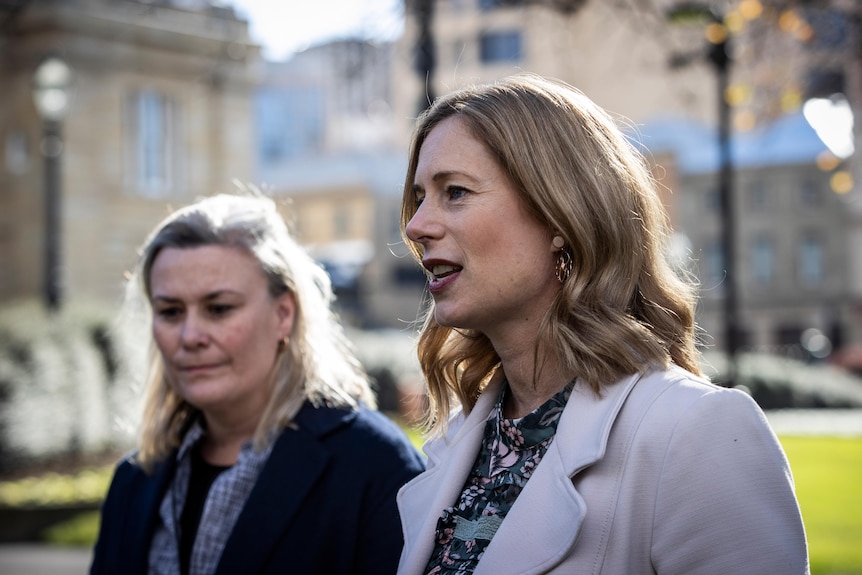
128,471
362,433
678,412
679,392
130,478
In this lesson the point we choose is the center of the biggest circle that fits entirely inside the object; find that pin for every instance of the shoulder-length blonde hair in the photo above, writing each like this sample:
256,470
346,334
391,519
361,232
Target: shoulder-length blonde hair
623,308
318,363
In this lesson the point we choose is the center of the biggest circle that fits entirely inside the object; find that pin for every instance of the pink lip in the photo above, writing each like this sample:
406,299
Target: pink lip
198,368
437,285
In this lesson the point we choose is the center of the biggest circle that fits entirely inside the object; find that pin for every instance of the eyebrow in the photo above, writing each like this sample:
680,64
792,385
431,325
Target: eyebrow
445,174
209,296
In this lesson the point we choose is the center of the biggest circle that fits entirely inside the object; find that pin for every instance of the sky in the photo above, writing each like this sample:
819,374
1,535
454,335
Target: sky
283,27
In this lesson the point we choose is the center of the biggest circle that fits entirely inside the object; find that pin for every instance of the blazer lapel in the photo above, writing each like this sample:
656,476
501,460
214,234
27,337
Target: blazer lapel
294,466
546,519
136,538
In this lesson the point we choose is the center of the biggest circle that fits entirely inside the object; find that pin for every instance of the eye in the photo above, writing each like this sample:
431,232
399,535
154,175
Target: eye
456,192
168,313
219,309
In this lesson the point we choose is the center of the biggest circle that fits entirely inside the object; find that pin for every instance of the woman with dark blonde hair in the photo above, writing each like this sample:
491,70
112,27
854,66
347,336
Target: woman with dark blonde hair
261,450
572,430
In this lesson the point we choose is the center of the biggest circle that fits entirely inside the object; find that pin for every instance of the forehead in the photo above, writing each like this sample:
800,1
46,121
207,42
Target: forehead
205,268
452,142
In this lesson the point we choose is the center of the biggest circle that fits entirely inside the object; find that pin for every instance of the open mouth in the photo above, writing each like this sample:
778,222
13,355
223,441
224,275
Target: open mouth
441,271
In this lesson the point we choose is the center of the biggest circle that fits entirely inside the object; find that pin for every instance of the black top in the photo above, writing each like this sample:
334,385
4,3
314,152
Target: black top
202,477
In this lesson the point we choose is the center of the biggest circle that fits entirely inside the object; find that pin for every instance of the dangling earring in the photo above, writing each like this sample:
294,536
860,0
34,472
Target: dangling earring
563,264
563,268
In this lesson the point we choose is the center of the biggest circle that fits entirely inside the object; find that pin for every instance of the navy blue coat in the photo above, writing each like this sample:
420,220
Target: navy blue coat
324,502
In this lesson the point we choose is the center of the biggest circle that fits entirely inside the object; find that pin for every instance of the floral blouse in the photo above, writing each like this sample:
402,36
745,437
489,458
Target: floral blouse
511,449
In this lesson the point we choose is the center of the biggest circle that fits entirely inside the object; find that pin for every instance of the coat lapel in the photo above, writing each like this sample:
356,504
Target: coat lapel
546,519
450,459
294,466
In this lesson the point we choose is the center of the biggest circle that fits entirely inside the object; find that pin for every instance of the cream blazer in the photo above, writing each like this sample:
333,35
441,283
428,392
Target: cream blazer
664,474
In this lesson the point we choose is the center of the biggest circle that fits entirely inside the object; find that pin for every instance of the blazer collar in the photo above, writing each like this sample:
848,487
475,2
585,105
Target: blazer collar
134,545
545,521
260,527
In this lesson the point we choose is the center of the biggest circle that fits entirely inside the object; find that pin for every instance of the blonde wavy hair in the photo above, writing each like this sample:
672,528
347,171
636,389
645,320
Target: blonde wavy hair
318,364
623,309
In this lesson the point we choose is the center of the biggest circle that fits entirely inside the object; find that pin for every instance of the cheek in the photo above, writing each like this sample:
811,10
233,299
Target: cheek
164,338
253,340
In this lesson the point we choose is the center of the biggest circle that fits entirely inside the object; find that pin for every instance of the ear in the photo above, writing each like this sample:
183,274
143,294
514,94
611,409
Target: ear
285,309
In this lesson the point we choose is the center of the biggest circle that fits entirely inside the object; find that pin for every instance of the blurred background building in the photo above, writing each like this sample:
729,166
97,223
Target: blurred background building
159,111
172,99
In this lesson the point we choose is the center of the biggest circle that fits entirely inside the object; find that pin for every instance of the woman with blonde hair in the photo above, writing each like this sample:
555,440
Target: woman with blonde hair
260,449
572,430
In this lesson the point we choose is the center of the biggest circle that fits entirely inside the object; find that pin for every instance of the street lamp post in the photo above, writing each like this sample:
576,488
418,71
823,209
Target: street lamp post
718,56
51,92
720,60
424,52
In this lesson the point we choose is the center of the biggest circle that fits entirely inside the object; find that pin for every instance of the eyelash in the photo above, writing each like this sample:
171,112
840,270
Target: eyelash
168,313
171,313
450,191
220,308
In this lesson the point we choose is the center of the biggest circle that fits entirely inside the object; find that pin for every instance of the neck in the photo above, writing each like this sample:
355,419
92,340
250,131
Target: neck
222,442
530,387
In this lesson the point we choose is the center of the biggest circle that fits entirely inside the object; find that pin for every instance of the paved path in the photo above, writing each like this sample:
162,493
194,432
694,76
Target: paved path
34,559
840,422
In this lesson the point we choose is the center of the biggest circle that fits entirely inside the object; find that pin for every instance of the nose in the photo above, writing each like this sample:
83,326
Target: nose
424,225
193,333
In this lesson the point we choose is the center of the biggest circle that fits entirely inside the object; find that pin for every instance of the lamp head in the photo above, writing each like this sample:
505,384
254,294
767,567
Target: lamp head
52,84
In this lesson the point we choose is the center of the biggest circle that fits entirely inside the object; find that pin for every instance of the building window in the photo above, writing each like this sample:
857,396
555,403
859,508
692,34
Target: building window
486,5
758,195
153,153
763,260
811,261
497,47
809,193
289,122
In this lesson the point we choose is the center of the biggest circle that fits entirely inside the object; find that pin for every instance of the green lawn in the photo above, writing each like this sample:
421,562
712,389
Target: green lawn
828,476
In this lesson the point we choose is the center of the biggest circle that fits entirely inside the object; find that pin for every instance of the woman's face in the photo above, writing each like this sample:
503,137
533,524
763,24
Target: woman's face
490,260
218,328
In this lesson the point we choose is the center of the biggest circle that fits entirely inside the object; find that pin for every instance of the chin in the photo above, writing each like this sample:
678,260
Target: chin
450,320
